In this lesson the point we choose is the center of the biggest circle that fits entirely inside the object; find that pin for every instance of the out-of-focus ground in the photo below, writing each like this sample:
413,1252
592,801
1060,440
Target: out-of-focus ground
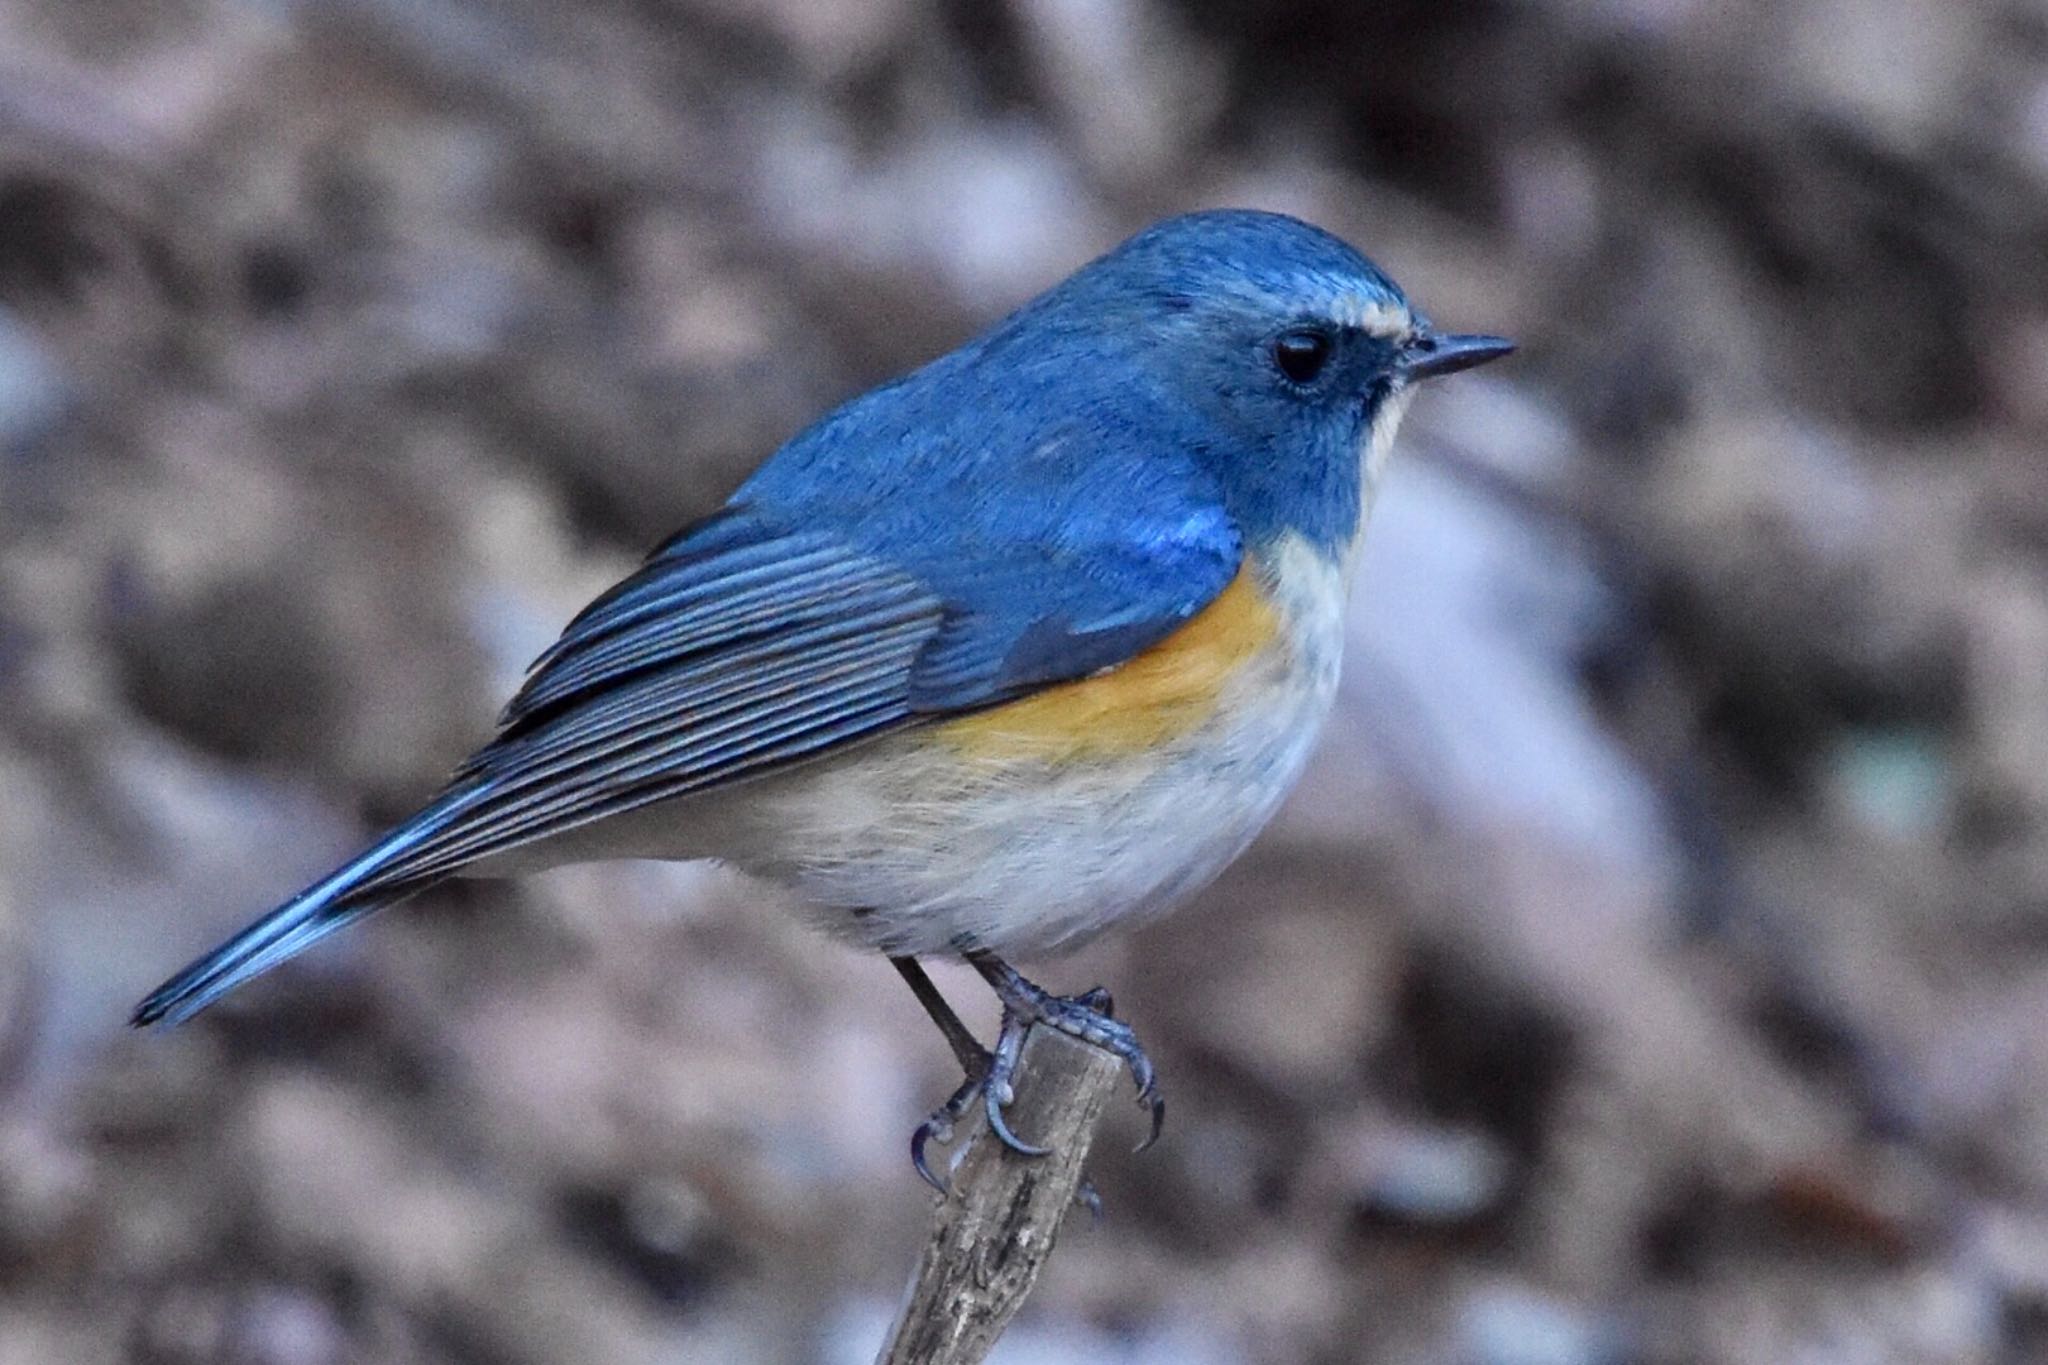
1654,967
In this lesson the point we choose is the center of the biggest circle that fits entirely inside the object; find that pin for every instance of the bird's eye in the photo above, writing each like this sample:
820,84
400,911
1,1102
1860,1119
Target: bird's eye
1301,355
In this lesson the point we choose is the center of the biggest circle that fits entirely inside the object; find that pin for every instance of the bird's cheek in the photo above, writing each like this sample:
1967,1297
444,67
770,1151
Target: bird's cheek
1380,431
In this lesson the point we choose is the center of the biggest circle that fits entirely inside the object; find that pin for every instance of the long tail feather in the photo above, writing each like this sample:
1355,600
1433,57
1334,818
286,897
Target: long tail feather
336,901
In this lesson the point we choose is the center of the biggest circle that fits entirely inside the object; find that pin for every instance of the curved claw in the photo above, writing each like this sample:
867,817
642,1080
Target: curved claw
996,1090
940,1126
926,1131
1001,1128
1158,1105
1147,1081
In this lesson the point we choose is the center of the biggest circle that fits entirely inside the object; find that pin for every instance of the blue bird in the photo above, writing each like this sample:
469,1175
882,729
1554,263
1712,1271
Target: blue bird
1024,645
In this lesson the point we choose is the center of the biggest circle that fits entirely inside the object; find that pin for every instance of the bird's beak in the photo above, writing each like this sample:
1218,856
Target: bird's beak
1433,353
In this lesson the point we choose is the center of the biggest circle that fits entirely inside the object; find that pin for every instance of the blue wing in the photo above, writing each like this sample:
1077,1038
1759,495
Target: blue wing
1059,510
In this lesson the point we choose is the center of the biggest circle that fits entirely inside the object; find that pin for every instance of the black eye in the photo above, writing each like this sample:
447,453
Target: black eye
1301,355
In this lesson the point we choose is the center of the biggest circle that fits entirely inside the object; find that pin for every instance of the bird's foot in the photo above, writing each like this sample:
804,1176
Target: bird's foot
991,1082
990,1075
1088,1017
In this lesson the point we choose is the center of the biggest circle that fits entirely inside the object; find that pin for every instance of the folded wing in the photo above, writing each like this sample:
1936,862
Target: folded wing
738,647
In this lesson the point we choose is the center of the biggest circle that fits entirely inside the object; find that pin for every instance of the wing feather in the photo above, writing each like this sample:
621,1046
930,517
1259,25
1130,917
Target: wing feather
655,761
667,619
707,665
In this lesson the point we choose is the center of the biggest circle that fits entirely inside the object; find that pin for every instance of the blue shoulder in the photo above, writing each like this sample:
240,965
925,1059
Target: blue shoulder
1055,502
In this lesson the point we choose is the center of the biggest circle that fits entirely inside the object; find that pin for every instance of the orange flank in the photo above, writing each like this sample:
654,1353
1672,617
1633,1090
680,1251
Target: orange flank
1150,701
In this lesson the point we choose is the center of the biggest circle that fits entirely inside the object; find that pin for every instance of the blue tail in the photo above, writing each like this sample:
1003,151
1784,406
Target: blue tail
350,893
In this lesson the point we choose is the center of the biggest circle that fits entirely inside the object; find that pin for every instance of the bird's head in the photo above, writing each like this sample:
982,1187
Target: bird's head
1300,353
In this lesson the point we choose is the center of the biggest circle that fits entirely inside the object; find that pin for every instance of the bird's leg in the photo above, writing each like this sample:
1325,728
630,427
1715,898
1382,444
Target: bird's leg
973,1057
974,1062
1086,1016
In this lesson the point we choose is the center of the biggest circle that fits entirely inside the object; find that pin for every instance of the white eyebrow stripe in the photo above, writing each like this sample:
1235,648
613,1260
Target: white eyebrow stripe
1369,314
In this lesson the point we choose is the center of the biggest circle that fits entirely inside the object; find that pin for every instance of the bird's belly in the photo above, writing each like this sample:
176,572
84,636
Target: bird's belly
1033,826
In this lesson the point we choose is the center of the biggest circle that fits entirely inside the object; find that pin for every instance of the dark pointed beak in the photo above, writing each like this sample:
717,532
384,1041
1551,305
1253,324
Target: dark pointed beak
1434,353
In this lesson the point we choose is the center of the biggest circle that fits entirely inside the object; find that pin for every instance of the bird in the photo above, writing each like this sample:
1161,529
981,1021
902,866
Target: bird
1020,647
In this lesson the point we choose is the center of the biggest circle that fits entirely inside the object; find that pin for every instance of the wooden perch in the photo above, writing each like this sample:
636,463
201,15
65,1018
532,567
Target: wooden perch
994,1229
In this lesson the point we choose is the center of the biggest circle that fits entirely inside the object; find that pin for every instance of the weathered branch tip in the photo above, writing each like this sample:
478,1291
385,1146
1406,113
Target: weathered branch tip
994,1228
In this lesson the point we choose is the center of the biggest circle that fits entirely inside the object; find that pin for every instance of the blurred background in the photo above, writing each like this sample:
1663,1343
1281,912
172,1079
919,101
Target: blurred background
1653,968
